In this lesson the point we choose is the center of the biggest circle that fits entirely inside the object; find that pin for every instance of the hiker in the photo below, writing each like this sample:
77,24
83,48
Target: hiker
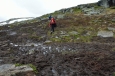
52,23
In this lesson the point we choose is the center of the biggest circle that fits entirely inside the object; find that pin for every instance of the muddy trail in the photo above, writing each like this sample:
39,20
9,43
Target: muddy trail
32,43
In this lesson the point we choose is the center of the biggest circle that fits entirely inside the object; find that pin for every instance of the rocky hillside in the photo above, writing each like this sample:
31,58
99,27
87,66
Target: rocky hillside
106,3
83,44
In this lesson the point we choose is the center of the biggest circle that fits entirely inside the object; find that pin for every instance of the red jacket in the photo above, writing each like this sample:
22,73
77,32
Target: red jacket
52,21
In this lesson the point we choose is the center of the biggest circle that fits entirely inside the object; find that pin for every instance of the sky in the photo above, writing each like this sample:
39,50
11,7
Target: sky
34,8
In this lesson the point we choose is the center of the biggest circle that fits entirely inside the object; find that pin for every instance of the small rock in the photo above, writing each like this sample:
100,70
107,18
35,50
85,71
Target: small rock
47,41
31,51
60,16
113,20
111,28
105,33
73,33
63,32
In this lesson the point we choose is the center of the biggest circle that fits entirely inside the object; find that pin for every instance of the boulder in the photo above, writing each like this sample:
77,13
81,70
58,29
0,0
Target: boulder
105,33
12,70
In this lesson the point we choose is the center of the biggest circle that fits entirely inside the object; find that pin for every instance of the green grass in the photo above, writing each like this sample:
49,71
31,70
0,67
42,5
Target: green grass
35,37
113,7
67,52
113,74
18,64
77,10
33,67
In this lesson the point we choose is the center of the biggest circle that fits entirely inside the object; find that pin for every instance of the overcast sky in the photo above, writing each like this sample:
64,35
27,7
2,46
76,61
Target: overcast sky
34,8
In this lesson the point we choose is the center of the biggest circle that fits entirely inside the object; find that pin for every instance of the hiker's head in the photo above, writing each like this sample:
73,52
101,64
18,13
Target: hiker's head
50,17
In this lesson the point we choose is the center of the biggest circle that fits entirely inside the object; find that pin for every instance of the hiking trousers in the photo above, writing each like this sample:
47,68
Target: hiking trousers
52,27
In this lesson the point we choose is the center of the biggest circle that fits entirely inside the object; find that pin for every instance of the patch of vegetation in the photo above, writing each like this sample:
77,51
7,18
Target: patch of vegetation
113,49
18,64
86,38
113,7
35,37
10,50
33,67
113,73
77,10
68,52
12,26
66,39
27,30
110,10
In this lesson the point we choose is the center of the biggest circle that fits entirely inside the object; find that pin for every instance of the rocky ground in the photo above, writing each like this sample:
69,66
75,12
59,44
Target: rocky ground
76,48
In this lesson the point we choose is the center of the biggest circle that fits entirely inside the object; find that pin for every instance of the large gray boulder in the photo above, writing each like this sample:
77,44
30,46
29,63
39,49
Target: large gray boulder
12,70
105,34
106,3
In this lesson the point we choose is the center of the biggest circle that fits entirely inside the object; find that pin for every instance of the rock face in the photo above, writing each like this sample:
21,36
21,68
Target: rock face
107,3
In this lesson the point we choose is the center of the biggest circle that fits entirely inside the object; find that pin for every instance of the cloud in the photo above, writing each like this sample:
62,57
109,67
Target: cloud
35,8
2,19
46,6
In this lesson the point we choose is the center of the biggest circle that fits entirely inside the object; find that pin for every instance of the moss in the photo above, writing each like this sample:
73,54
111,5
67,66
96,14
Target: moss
18,64
113,73
66,39
33,67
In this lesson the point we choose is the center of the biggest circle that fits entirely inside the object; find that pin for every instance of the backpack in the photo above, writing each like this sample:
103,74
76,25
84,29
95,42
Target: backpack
52,21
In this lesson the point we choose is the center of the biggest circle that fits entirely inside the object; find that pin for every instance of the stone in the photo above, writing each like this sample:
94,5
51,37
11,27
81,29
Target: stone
111,28
31,51
113,20
47,41
63,32
11,69
105,33
61,16
13,33
73,33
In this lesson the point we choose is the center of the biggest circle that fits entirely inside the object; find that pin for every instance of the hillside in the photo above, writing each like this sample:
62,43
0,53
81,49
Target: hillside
83,43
